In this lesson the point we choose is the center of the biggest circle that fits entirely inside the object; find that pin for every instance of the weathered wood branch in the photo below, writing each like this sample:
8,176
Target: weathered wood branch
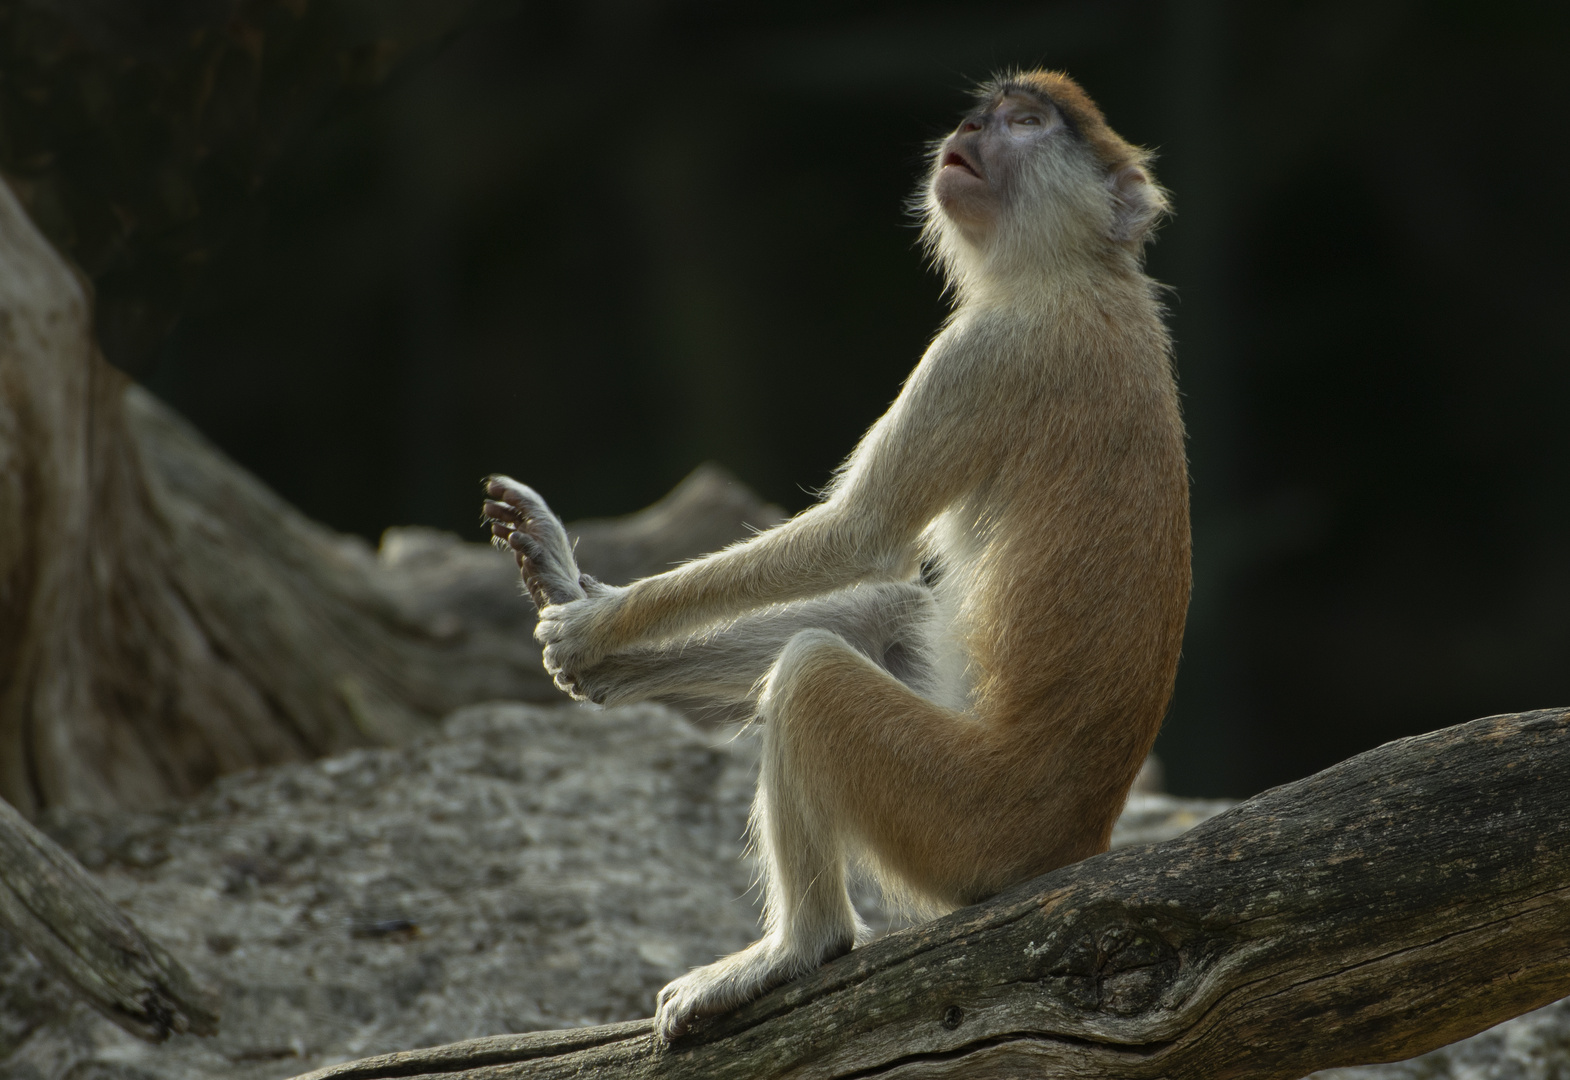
54,907
1401,900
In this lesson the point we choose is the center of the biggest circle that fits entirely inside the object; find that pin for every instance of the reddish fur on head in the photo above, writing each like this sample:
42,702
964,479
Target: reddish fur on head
1069,98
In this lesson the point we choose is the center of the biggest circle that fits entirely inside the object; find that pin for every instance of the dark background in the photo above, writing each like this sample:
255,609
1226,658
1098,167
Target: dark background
595,244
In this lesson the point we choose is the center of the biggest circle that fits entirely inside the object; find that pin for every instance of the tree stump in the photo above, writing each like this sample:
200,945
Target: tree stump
165,618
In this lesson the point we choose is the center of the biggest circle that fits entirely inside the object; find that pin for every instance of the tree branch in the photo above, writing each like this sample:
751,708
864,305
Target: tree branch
56,909
1393,903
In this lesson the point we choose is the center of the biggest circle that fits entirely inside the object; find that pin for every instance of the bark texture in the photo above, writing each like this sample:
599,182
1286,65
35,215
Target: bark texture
1401,900
54,907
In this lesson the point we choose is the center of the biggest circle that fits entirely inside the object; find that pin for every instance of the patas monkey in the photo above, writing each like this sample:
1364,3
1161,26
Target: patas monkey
960,656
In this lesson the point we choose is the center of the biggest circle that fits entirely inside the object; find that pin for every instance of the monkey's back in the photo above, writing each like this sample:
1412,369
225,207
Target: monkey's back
1072,598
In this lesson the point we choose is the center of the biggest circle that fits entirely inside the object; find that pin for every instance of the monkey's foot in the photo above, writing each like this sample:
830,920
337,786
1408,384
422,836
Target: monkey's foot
522,523
732,982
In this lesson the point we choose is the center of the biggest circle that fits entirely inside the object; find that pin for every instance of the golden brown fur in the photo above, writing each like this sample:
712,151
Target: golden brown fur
983,724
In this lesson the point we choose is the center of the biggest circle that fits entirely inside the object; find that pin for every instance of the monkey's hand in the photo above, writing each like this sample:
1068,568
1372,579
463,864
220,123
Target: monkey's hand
575,639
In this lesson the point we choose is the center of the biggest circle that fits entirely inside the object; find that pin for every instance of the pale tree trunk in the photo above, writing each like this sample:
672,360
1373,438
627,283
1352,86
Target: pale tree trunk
165,618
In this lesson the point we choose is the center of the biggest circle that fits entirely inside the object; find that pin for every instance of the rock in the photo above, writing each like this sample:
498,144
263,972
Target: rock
529,868
1151,817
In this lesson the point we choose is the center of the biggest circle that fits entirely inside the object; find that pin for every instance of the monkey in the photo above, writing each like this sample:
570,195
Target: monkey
959,657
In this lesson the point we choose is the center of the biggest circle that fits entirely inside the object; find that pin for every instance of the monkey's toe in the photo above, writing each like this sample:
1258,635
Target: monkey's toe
677,1008
500,511
729,983
506,489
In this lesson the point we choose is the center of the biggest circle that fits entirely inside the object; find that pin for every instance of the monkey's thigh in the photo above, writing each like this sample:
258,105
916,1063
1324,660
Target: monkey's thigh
889,623
927,793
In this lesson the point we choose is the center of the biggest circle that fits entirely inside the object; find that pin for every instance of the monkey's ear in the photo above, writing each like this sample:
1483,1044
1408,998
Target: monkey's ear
1137,203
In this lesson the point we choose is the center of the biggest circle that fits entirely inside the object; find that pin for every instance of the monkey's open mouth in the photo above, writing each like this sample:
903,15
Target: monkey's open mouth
953,158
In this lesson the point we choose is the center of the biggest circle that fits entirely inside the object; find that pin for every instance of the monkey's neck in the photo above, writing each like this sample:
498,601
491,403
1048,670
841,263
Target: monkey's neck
1048,292
1021,258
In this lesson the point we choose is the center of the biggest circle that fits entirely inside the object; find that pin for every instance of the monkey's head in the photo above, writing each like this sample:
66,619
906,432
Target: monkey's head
1033,176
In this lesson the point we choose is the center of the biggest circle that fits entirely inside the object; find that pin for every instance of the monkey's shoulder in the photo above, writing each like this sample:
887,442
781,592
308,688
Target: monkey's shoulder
1054,345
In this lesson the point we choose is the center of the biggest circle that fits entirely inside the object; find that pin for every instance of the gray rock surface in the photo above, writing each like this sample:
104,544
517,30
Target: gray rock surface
529,867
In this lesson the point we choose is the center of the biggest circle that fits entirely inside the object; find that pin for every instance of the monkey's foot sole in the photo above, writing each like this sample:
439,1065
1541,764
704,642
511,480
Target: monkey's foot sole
522,522
732,982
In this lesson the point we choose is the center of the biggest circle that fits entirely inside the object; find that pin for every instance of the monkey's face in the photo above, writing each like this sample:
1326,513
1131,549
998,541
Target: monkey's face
981,166
1033,181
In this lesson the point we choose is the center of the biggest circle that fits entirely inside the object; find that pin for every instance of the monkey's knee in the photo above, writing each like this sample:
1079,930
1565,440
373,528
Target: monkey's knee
796,709
816,684
803,660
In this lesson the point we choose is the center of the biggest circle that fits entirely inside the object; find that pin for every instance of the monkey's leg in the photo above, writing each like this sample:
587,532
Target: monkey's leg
526,526
888,623
808,917
855,760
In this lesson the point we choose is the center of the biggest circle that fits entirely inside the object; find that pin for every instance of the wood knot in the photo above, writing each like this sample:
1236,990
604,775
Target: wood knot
1119,969
953,1017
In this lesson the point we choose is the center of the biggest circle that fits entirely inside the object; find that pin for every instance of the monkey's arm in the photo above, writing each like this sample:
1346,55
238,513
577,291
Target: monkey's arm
930,447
